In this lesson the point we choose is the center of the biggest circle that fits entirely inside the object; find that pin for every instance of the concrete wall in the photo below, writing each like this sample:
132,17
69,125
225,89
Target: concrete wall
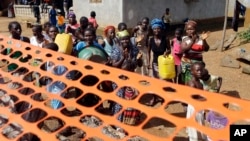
194,9
131,11
107,12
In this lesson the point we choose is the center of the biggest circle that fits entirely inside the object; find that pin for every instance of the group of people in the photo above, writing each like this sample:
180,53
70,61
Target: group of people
131,51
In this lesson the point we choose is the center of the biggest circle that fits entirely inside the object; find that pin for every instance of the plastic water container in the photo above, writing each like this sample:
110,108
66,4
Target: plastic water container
64,42
166,67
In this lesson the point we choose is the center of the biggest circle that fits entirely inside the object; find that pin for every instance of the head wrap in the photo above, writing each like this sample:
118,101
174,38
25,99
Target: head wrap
107,29
191,22
122,34
72,15
157,23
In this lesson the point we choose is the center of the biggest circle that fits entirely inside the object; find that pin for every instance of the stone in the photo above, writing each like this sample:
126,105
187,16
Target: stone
242,54
215,46
229,61
230,41
246,70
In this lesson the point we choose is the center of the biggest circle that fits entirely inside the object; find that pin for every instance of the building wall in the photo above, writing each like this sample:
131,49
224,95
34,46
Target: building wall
107,12
231,6
180,10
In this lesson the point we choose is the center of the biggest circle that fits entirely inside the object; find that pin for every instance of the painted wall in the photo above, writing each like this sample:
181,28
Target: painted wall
107,12
111,11
180,10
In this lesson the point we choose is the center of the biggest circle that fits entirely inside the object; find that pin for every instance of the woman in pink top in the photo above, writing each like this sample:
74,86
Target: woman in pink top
72,26
177,54
93,20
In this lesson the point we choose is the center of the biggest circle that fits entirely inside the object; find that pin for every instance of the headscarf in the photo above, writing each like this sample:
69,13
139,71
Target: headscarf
107,29
72,15
192,23
157,23
122,34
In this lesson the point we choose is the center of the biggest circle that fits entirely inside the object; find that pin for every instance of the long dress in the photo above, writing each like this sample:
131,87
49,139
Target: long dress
52,17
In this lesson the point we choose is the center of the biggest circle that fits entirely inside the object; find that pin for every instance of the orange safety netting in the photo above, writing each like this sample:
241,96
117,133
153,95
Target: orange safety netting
167,91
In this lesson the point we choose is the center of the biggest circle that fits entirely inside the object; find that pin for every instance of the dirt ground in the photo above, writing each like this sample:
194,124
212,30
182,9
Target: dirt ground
235,83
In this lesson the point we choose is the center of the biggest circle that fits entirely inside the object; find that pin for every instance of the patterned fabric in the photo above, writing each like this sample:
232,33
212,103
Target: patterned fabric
129,116
211,84
117,53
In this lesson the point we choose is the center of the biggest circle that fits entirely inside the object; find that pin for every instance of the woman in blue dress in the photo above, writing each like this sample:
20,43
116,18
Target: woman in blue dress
52,16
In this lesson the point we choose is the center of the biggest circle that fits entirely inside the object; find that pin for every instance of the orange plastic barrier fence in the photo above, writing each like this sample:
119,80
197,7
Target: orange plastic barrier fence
16,55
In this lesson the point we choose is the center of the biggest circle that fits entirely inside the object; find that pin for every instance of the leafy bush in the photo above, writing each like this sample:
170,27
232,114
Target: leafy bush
245,35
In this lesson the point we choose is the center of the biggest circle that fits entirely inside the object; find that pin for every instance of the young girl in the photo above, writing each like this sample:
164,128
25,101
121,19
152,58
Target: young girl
38,39
15,30
177,54
92,19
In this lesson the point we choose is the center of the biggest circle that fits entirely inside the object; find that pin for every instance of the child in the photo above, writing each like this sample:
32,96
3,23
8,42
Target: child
167,19
93,20
177,54
53,31
38,39
121,27
60,22
46,27
51,46
197,69
15,30
211,83
141,40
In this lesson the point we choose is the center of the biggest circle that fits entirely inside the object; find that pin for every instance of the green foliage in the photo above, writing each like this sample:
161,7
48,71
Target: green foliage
245,35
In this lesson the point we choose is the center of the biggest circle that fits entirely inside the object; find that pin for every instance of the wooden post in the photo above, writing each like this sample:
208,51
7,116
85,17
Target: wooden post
225,25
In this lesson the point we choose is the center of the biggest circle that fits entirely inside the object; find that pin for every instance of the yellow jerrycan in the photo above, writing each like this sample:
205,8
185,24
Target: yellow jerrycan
166,67
64,42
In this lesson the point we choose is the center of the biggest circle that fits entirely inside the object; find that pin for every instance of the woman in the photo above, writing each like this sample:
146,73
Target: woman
159,44
72,26
126,56
38,39
52,15
15,30
192,47
109,41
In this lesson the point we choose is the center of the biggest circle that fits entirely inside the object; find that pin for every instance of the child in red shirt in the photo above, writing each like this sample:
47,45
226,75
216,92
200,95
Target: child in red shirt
93,20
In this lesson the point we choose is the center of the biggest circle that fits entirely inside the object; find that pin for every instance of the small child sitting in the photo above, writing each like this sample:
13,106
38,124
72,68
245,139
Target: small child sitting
197,69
